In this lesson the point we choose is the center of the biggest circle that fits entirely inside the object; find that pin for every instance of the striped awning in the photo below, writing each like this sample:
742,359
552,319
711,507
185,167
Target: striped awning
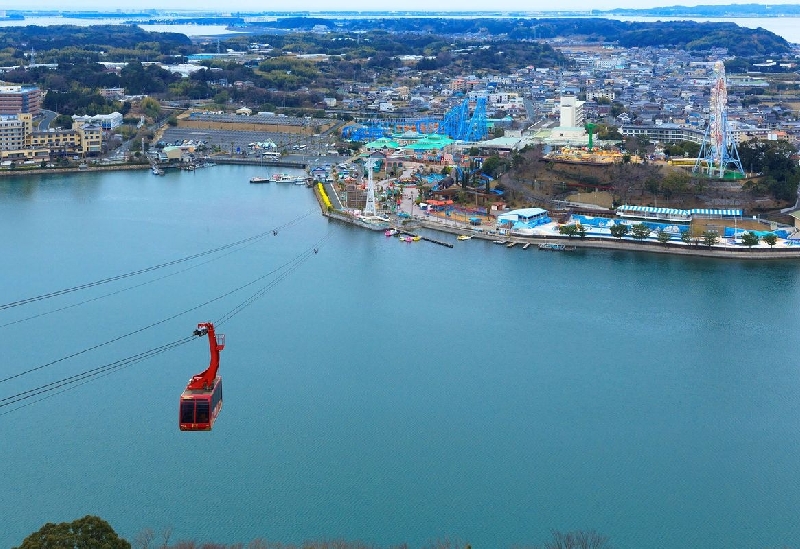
653,211
649,210
717,213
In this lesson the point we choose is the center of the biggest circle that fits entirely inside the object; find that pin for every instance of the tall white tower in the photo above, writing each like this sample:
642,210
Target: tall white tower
369,208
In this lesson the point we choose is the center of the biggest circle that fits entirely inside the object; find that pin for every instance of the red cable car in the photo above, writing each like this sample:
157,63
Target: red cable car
201,402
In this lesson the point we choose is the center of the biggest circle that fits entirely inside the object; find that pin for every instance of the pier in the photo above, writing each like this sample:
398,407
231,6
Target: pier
426,239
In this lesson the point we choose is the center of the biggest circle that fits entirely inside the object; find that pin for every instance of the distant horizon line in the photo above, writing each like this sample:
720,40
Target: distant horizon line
134,11
721,11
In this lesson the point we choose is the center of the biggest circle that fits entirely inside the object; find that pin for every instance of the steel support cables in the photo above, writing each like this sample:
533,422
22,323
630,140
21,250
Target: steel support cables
123,276
73,381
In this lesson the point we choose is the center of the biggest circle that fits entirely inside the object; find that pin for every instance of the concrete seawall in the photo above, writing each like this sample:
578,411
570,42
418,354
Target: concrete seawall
58,171
672,248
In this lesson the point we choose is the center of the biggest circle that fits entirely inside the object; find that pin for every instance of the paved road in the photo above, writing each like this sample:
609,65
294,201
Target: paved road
47,119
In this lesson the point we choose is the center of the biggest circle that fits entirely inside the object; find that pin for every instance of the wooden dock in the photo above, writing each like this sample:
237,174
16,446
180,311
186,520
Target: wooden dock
426,239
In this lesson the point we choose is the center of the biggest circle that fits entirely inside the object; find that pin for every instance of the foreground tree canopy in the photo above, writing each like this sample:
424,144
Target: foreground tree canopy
89,532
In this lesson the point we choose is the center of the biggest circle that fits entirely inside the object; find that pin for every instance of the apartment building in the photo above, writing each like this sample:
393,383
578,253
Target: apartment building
18,140
20,99
14,130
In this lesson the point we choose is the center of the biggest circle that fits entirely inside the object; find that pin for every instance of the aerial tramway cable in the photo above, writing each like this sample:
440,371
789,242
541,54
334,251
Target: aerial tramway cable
290,265
128,288
27,300
76,380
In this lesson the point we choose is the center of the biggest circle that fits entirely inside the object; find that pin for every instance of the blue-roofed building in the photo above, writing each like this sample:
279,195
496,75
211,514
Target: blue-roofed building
523,221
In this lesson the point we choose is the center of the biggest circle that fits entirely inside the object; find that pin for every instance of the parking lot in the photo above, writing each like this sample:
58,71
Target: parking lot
238,141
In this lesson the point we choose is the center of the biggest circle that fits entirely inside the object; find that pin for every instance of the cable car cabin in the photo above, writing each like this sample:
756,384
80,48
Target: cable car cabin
199,408
201,401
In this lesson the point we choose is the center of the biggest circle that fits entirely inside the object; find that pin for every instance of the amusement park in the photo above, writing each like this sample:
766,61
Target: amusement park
447,171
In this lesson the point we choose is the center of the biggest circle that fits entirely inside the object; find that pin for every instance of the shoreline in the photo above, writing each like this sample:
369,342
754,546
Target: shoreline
719,251
599,243
87,169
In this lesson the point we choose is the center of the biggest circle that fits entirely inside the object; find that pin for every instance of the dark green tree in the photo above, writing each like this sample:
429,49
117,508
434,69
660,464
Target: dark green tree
663,236
750,239
776,161
770,239
568,230
710,238
640,231
89,532
618,230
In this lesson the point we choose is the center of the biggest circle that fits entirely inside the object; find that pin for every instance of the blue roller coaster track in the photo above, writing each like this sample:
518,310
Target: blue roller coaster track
456,124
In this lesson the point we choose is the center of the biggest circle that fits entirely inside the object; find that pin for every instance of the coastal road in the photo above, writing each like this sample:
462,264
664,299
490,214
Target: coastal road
47,119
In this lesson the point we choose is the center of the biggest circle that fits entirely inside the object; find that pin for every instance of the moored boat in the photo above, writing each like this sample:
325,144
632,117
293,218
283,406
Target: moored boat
286,178
259,180
464,237
556,247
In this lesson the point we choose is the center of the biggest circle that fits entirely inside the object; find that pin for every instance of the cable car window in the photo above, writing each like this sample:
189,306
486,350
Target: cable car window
202,411
187,411
217,396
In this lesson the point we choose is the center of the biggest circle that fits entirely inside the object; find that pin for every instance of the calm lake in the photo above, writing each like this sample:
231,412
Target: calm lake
383,391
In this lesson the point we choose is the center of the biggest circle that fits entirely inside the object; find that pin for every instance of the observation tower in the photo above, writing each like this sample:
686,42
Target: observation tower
718,150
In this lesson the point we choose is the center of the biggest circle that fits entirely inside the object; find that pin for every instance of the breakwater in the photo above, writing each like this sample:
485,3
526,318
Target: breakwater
258,162
75,169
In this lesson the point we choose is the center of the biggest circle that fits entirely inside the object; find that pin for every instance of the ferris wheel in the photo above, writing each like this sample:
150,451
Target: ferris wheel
718,150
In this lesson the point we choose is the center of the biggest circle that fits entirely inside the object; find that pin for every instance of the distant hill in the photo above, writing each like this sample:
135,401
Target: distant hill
730,10
686,35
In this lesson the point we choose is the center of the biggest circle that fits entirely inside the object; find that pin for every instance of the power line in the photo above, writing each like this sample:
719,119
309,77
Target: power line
27,300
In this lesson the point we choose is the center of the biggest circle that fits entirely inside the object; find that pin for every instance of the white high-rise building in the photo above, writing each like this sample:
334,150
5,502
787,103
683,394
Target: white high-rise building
571,112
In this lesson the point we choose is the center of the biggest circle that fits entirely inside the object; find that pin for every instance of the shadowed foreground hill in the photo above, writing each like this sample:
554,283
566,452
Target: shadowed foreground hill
92,532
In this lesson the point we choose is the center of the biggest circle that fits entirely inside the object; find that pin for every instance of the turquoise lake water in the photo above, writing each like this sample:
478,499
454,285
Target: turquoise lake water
388,392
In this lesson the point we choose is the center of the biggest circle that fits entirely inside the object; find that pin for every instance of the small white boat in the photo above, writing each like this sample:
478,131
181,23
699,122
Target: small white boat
286,178
259,180
390,232
464,237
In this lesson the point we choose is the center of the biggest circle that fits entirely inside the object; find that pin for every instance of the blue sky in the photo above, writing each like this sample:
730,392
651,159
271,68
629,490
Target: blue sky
316,5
